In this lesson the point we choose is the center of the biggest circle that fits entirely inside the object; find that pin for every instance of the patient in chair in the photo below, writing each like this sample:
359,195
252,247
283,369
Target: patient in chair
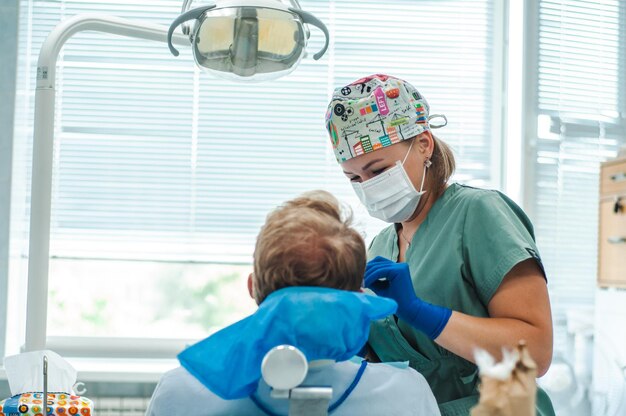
308,271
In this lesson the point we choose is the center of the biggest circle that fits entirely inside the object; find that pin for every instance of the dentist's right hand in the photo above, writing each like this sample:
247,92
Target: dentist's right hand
397,285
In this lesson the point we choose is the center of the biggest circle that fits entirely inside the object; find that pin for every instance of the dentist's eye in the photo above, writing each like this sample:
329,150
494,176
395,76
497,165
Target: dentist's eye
355,179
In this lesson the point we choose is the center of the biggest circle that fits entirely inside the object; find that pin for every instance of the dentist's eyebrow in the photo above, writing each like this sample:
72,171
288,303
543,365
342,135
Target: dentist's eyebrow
367,165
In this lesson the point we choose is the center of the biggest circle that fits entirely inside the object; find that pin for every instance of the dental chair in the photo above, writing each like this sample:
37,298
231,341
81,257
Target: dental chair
298,335
284,368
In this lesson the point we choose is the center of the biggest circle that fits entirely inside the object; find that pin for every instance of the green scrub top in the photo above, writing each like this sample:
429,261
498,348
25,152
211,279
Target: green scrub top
469,241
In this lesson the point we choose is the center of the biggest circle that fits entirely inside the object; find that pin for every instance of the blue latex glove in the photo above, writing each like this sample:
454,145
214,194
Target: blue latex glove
397,285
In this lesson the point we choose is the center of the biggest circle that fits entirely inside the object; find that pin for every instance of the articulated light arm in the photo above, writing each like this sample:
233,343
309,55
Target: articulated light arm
39,243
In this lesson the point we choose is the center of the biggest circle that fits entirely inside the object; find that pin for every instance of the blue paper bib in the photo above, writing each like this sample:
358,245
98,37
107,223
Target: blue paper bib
323,323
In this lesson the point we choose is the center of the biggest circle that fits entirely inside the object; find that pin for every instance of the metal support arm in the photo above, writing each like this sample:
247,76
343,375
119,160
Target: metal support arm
39,243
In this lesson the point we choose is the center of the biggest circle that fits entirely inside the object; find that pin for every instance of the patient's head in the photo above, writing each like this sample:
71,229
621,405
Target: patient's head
307,242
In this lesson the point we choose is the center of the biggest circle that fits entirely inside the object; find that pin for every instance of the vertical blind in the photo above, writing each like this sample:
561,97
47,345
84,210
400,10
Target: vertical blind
156,160
580,123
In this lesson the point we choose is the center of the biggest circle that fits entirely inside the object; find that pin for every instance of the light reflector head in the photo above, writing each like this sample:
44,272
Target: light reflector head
252,40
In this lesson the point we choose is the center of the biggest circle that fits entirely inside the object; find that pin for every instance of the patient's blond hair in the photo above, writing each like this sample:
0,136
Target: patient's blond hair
307,242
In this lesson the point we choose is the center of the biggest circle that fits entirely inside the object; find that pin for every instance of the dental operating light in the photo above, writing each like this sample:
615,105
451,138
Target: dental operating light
248,40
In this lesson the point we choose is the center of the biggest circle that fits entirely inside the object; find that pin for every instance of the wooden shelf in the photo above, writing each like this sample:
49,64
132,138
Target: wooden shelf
612,225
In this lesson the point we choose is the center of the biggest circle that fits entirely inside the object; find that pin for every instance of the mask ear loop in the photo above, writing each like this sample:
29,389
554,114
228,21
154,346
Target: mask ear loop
427,164
407,153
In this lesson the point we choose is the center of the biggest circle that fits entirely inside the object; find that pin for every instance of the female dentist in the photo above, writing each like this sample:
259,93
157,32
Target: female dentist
461,262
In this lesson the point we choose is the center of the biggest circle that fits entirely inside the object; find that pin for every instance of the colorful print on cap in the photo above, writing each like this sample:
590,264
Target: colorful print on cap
372,113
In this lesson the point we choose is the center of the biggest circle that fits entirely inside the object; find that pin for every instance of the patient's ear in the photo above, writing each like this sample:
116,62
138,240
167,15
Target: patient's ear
250,286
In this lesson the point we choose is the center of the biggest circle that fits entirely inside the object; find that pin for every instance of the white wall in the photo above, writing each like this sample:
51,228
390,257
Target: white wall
609,363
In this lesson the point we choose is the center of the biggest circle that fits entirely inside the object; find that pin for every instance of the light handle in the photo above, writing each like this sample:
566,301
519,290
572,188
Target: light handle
191,14
308,18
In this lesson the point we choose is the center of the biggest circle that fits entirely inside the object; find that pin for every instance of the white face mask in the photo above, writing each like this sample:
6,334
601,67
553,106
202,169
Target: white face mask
391,196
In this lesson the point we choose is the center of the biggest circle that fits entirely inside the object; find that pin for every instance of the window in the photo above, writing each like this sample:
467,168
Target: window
163,175
578,110
8,22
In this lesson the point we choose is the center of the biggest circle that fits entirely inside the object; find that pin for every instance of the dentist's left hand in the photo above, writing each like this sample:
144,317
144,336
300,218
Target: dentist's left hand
397,285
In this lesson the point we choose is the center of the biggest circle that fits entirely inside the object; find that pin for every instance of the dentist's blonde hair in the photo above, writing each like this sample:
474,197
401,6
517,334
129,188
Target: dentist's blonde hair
443,166
308,242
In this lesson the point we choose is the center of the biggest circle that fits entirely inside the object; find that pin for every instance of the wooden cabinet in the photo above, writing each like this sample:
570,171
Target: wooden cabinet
612,232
